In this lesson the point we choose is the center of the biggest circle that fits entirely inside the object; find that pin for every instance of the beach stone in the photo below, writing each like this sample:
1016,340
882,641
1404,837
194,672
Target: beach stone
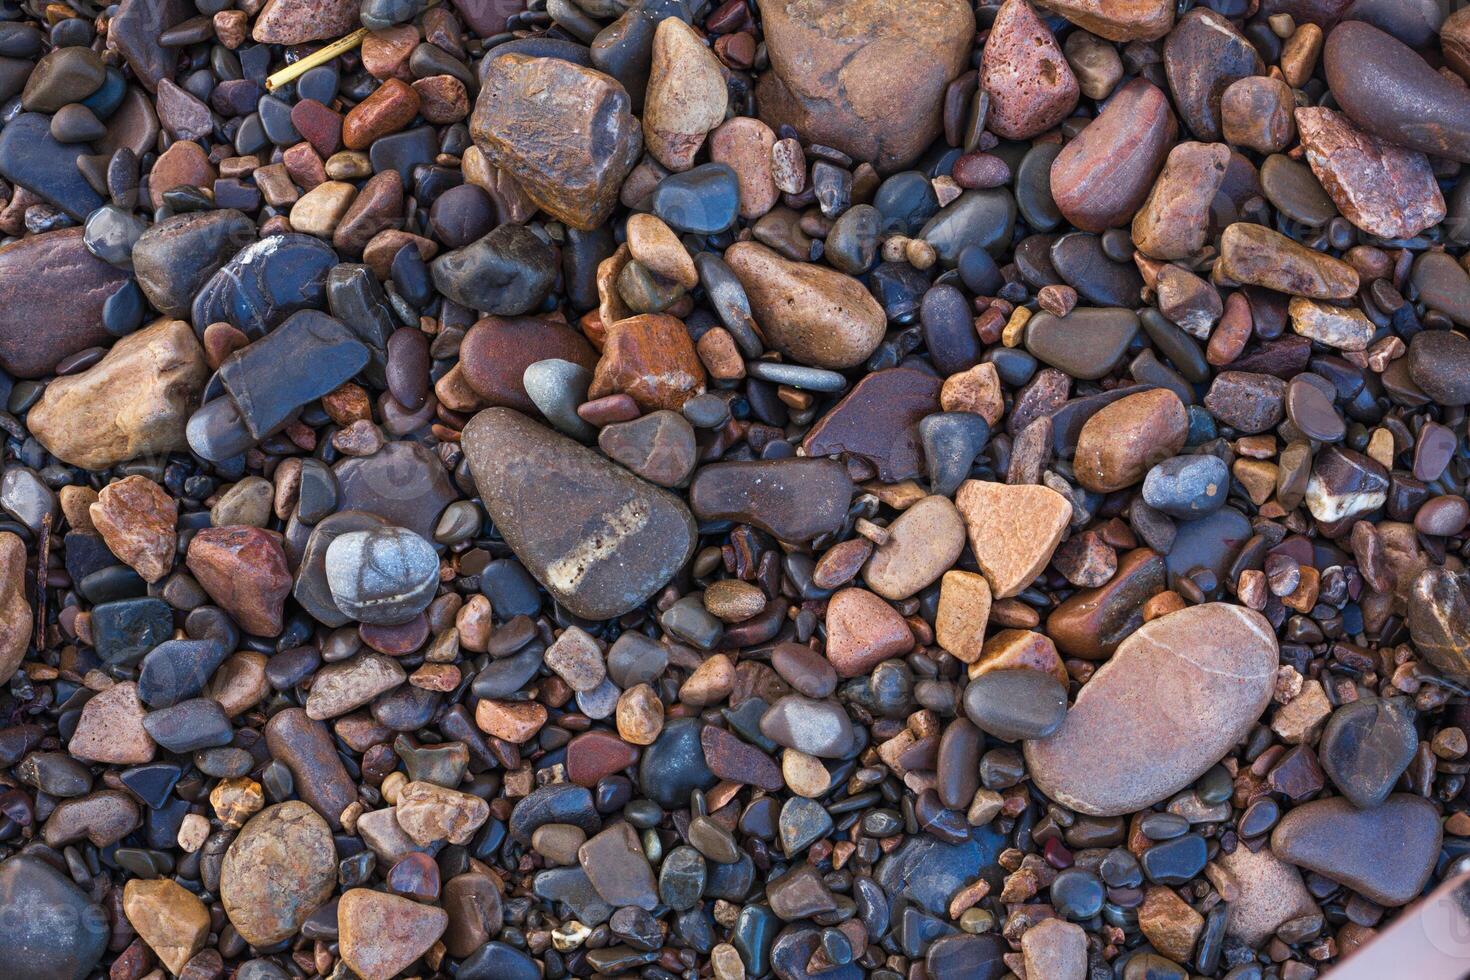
1383,189
1385,854
497,350
1121,442
384,576
279,869
133,402
1117,20
1209,670
1257,256
110,729
598,538
794,499
1022,69
652,359
565,131
66,942
923,542
1174,221
686,95
169,918
1101,177
1386,88
830,66
244,570
1014,529
380,935
52,278
862,632
812,314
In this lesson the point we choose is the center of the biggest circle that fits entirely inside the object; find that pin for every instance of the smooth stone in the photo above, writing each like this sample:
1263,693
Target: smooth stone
1211,668
644,534
384,576
794,499
1386,854
1012,705
1087,343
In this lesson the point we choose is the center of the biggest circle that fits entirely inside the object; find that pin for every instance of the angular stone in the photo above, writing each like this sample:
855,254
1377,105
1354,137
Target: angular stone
1384,189
1210,670
1013,528
566,132
1386,854
831,68
1101,177
279,869
1030,84
133,402
380,935
1257,256
795,499
810,313
51,278
598,538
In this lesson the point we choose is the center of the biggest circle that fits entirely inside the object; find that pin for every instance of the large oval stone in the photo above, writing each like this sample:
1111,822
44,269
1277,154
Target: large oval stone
597,537
278,871
1170,703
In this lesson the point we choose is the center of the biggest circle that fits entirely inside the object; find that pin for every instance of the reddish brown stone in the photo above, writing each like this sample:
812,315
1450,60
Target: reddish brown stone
651,358
244,570
497,350
391,107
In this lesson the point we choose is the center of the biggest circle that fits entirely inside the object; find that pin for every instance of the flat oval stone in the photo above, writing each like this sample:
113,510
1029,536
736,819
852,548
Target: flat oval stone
1016,704
796,499
1101,177
1087,343
1386,854
1210,670
598,538
1386,88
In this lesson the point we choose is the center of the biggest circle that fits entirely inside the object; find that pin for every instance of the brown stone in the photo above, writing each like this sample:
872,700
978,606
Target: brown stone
810,313
863,631
391,107
182,165
833,64
133,402
651,358
1174,698
1175,220
380,935
1117,20
1101,177
1385,190
53,279
1031,86
686,95
565,132
497,350
279,869
110,729
1013,530
299,21
136,518
1119,444
428,813
244,570
1257,256
169,918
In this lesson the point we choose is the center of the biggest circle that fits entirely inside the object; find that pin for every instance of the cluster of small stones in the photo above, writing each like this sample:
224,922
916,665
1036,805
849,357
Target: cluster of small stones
821,489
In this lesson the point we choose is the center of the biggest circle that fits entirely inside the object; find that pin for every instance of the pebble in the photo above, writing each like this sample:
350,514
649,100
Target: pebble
384,576
815,315
1022,69
1217,662
1386,853
648,534
1013,530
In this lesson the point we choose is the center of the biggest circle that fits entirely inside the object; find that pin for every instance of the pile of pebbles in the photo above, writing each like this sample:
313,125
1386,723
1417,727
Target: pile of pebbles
823,489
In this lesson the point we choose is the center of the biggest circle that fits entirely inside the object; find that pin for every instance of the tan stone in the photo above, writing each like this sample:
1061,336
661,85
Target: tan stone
136,518
1014,529
169,918
428,813
964,609
1168,922
110,729
686,95
133,402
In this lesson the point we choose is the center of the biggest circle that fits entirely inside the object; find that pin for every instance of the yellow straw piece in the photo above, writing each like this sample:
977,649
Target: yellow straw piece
292,72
